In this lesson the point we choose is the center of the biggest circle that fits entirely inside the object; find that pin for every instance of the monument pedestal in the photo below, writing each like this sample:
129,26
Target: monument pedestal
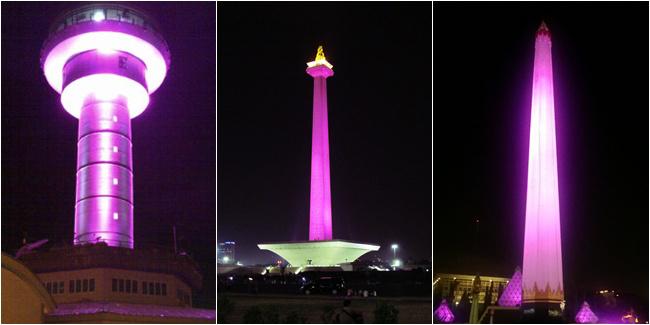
319,253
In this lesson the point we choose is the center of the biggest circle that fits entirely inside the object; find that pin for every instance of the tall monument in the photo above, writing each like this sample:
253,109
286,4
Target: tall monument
320,207
543,290
321,249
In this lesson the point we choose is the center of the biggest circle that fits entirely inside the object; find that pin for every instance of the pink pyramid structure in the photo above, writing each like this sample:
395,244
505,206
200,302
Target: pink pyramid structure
585,315
511,296
443,313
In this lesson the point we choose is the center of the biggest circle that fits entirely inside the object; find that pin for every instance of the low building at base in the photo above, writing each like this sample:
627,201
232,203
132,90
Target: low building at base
101,283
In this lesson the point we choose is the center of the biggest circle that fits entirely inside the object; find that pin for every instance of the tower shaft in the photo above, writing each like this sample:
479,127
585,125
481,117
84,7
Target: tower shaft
542,267
104,199
320,208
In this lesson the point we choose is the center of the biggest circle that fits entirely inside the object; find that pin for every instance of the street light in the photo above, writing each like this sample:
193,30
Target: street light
226,259
394,247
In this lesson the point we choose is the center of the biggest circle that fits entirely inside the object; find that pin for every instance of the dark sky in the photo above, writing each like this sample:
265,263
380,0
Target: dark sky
483,65
173,140
379,121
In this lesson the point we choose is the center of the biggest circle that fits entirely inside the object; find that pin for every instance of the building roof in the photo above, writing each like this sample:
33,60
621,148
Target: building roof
101,255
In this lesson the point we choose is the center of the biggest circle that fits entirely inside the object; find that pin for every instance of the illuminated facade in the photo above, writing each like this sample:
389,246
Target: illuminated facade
454,285
226,253
104,61
542,268
321,249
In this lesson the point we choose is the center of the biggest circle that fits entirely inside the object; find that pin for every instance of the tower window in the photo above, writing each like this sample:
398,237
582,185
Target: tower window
164,289
85,285
121,281
61,287
48,286
91,285
114,285
135,286
128,286
115,216
157,289
115,181
114,148
144,288
151,290
77,286
71,286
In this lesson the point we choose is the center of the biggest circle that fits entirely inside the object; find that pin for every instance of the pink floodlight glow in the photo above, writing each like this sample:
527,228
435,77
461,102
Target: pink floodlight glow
542,272
104,87
585,315
443,313
104,42
320,207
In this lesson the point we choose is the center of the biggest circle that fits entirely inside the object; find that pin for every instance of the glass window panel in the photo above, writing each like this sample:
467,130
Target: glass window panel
121,285
71,286
91,285
114,285
157,289
85,286
77,287
164,289
128,286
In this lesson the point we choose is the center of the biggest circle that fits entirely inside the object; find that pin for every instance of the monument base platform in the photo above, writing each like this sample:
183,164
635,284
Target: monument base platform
319,253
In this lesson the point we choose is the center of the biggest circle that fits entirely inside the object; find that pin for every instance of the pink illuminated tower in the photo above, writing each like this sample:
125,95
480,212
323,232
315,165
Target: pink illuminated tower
321,250
104,60
320,208
543,290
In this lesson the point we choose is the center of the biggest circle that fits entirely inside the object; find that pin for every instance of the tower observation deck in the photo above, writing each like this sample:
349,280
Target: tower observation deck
105,60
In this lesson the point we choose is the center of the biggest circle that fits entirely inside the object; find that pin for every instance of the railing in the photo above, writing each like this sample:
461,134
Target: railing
101,12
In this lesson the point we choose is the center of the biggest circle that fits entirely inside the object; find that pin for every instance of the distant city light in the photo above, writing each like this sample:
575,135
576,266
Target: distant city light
394,246
226,259
239,264
397,263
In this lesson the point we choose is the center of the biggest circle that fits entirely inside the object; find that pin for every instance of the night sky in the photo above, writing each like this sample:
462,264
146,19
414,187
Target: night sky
379,102
483,66
173,140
